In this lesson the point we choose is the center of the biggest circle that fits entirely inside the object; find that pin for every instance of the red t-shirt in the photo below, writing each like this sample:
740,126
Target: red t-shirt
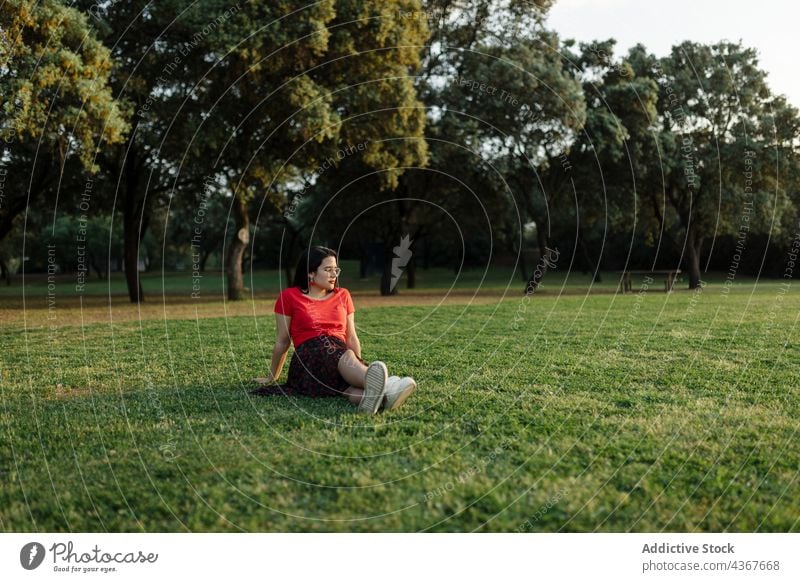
315,317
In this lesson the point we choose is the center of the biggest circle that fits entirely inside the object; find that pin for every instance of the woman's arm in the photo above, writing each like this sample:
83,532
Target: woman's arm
352,338
282,343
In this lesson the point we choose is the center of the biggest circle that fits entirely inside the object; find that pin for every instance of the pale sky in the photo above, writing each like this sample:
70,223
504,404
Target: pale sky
771,26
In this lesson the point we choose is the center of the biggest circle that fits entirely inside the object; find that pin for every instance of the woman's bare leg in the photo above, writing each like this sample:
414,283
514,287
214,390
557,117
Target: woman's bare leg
354,395
354,372
352,369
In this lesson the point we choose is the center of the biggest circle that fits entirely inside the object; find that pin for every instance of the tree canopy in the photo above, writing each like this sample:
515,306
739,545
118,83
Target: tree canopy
57,104
370,123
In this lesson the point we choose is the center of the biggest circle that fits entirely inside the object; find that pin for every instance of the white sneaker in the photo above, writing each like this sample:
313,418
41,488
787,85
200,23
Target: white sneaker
397,390
374,388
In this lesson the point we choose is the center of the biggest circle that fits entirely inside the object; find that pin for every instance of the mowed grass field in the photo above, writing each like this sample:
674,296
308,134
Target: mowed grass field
569,411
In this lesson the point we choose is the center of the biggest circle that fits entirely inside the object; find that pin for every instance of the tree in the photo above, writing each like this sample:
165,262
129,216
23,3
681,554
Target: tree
57,104
517,107
349,206
420,196
97,248
717,144
161,52
326,79
598,174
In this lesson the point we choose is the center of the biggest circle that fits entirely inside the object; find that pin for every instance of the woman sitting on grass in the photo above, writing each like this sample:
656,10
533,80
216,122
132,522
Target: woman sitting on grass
318,317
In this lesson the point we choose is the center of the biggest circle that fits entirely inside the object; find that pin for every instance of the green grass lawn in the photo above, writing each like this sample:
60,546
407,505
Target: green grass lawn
577,412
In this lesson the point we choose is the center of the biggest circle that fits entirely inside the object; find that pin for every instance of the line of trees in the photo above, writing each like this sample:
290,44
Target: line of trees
249,129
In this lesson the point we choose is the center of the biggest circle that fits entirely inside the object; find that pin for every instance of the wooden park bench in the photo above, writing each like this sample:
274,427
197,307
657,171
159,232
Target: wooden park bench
669,278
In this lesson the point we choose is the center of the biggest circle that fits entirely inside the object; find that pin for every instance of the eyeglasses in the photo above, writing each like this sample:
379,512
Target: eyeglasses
332,270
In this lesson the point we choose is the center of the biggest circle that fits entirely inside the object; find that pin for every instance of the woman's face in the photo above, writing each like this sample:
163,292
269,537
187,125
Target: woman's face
325,276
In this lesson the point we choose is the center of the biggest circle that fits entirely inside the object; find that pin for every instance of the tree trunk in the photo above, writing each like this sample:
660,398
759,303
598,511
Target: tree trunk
411,273
593,267
536,278
363,258
548,260
97,269
5,271
131,238
239,243
386,276
289,250
523,264
133,229
17,207
694,245
541,264
541,239
287,271
204,256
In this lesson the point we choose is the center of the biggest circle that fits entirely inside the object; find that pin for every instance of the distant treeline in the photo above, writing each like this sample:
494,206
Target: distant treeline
207,134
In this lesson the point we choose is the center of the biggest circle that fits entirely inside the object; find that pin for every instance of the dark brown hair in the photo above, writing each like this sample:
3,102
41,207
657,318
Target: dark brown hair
309,263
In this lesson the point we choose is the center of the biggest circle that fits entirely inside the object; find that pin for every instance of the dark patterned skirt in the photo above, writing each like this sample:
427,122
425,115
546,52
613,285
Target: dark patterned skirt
313,370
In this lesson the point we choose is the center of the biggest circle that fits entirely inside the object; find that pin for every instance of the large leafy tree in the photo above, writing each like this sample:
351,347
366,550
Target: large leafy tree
162,52
493,42
312,83
593,183
241,99
518,107
57,108
718,146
